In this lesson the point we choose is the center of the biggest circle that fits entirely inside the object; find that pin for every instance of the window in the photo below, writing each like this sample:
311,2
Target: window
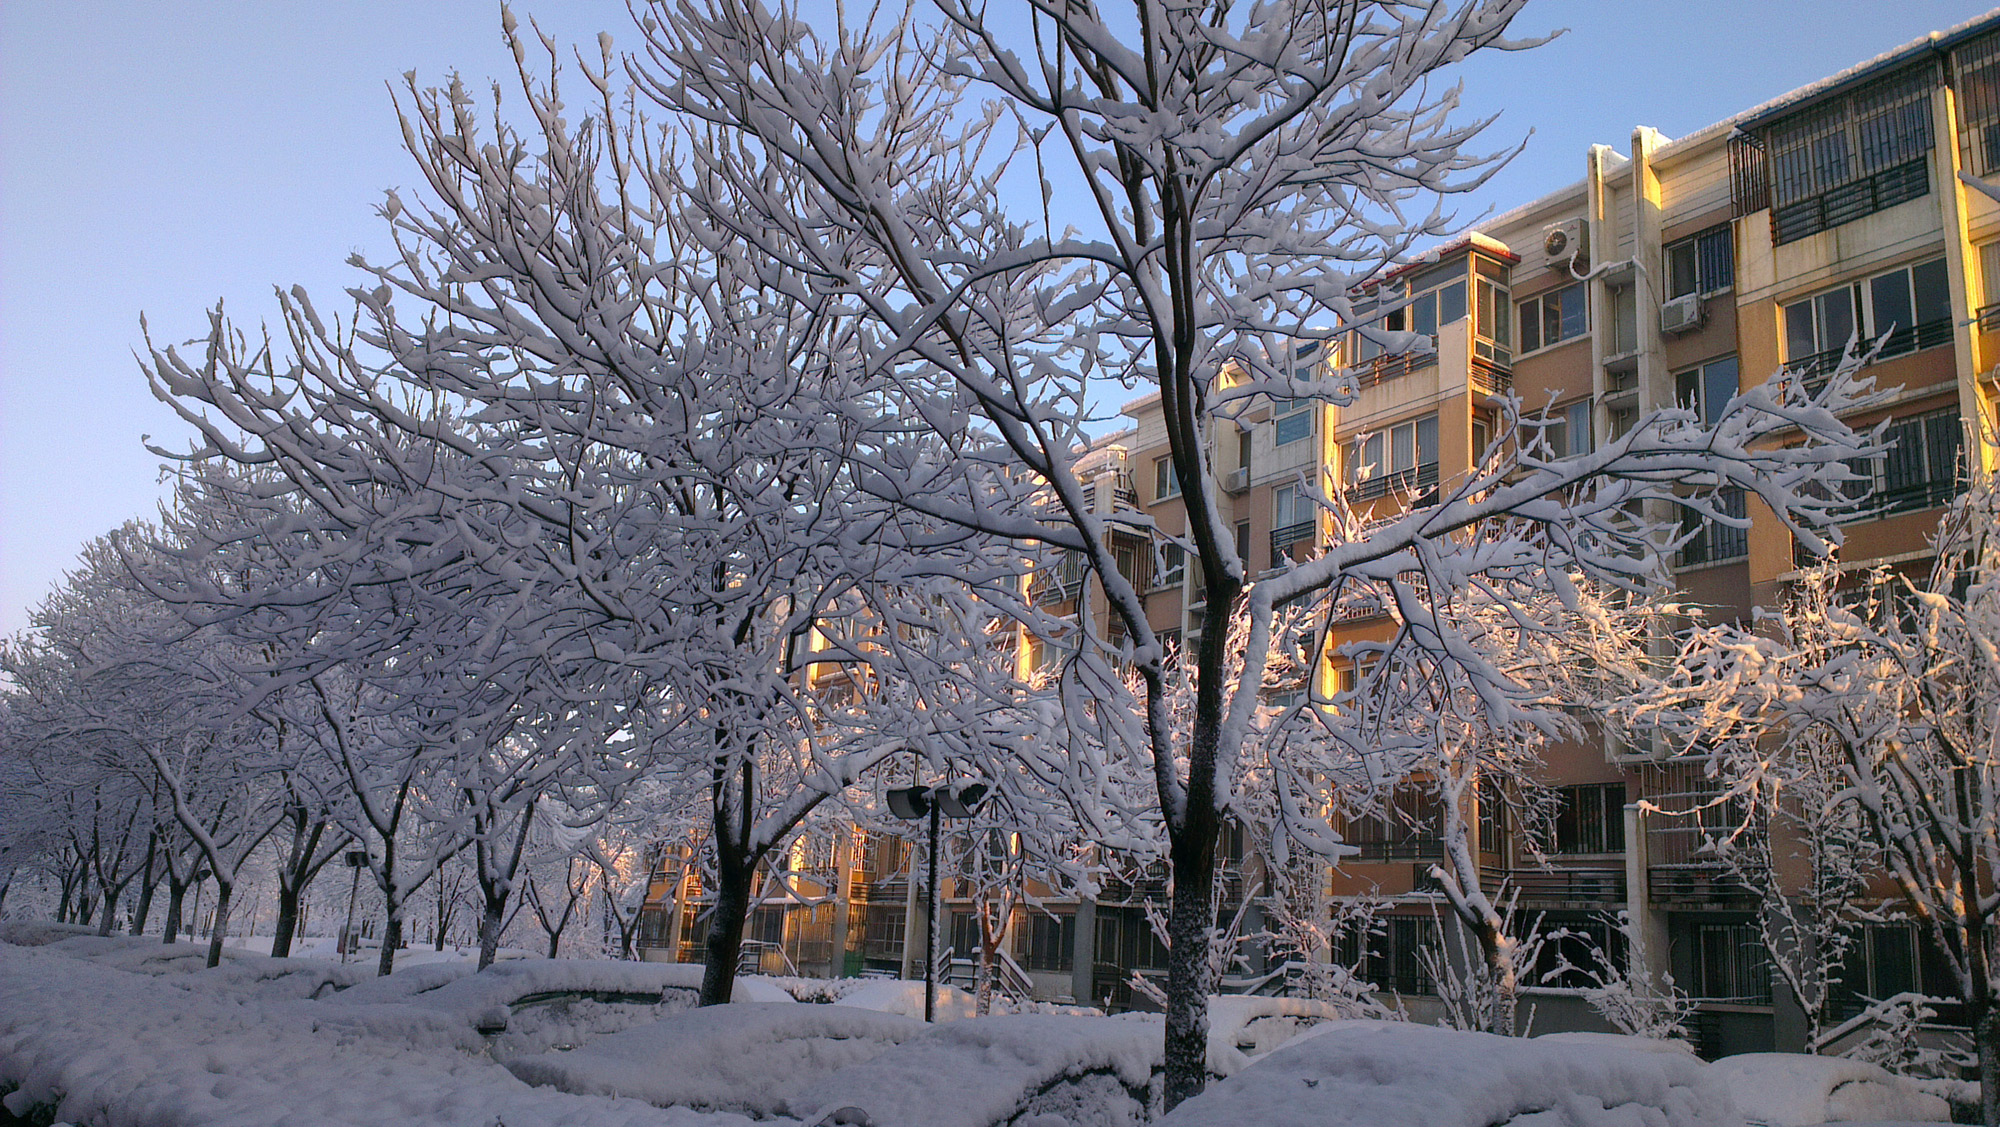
1491,338
1989,274
1590,819
1405,455
1706,389
1292,513
1165,482
1912,304
1568,432
1976,74
1554,317
1173,566
1711,541
1127,562
1391,954
1436,297
1702,263
1853,156
1920,469
1044,942
1243,541
1731,964
1292,420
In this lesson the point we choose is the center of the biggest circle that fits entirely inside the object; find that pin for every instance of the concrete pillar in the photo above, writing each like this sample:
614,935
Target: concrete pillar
1644,922
1961,269
1083,953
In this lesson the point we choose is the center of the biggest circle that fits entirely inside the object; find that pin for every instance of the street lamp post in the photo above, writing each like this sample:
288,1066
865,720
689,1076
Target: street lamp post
941,801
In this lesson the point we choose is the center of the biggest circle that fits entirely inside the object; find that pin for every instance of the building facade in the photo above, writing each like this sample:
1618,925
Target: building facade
1678,271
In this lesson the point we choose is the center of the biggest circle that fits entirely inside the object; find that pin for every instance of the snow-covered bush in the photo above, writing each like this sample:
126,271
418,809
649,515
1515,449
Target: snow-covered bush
1795,1090
1398,1074
1009,1070
746,1057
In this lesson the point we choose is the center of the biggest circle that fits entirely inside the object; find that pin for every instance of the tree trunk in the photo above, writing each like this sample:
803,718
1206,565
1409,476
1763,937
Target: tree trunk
86,908
288,918
105,923
392,937
147,883
443,920
492,913
223,891
725,928
1191,914
176,900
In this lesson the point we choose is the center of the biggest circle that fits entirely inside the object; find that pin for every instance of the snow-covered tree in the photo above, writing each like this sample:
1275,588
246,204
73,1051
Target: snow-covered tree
1233,172
646,447
1880,700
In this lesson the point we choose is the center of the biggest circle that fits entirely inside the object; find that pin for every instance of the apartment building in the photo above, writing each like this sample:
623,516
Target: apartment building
1676,271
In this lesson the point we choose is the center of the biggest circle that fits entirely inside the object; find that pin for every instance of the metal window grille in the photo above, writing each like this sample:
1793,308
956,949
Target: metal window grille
1975,74
1840,160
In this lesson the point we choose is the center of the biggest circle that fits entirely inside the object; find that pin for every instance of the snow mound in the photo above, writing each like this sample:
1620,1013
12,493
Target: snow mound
1619,1041
1790,1090
88,1043
267,977
905,999
400,985
35,933
1395,1074
1242,1026
488,998
746,1057
1102,1071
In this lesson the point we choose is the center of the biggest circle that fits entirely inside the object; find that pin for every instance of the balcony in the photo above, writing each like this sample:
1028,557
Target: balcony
1592,885
1421,848
1384,368
1491,378
1397,481
1850,201
1302,532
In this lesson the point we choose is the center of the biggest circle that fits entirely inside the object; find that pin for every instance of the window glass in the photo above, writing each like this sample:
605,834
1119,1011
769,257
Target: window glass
1165,484
1403,446
1681,277
1424,315
1718,385
1891,296
1800,337
1578,428
1836,317
1427,441
1451,303
1933,292
1553,317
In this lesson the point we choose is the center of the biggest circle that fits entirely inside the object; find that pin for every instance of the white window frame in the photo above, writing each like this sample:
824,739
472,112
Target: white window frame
1539,302
1166,483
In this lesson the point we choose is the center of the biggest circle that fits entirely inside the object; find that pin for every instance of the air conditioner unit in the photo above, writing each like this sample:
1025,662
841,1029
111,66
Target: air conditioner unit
1566,243
1237,480
1681,315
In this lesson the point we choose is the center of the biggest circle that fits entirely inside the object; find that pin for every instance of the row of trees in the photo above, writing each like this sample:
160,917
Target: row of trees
780,360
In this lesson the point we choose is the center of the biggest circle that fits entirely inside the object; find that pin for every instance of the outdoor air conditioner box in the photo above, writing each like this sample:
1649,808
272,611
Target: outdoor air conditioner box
1565,243
1237,480
1680,315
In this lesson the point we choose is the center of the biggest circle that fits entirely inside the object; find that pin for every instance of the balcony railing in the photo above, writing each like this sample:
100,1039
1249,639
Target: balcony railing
1407,849
1384,368
1418,477
1816,367
1866,196
1583,885
1491,378
1296,533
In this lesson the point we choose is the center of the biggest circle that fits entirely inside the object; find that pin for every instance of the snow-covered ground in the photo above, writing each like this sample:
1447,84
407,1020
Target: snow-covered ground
117,1031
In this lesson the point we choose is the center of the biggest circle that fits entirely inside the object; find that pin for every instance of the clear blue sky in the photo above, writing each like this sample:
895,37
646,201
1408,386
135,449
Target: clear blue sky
155,157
